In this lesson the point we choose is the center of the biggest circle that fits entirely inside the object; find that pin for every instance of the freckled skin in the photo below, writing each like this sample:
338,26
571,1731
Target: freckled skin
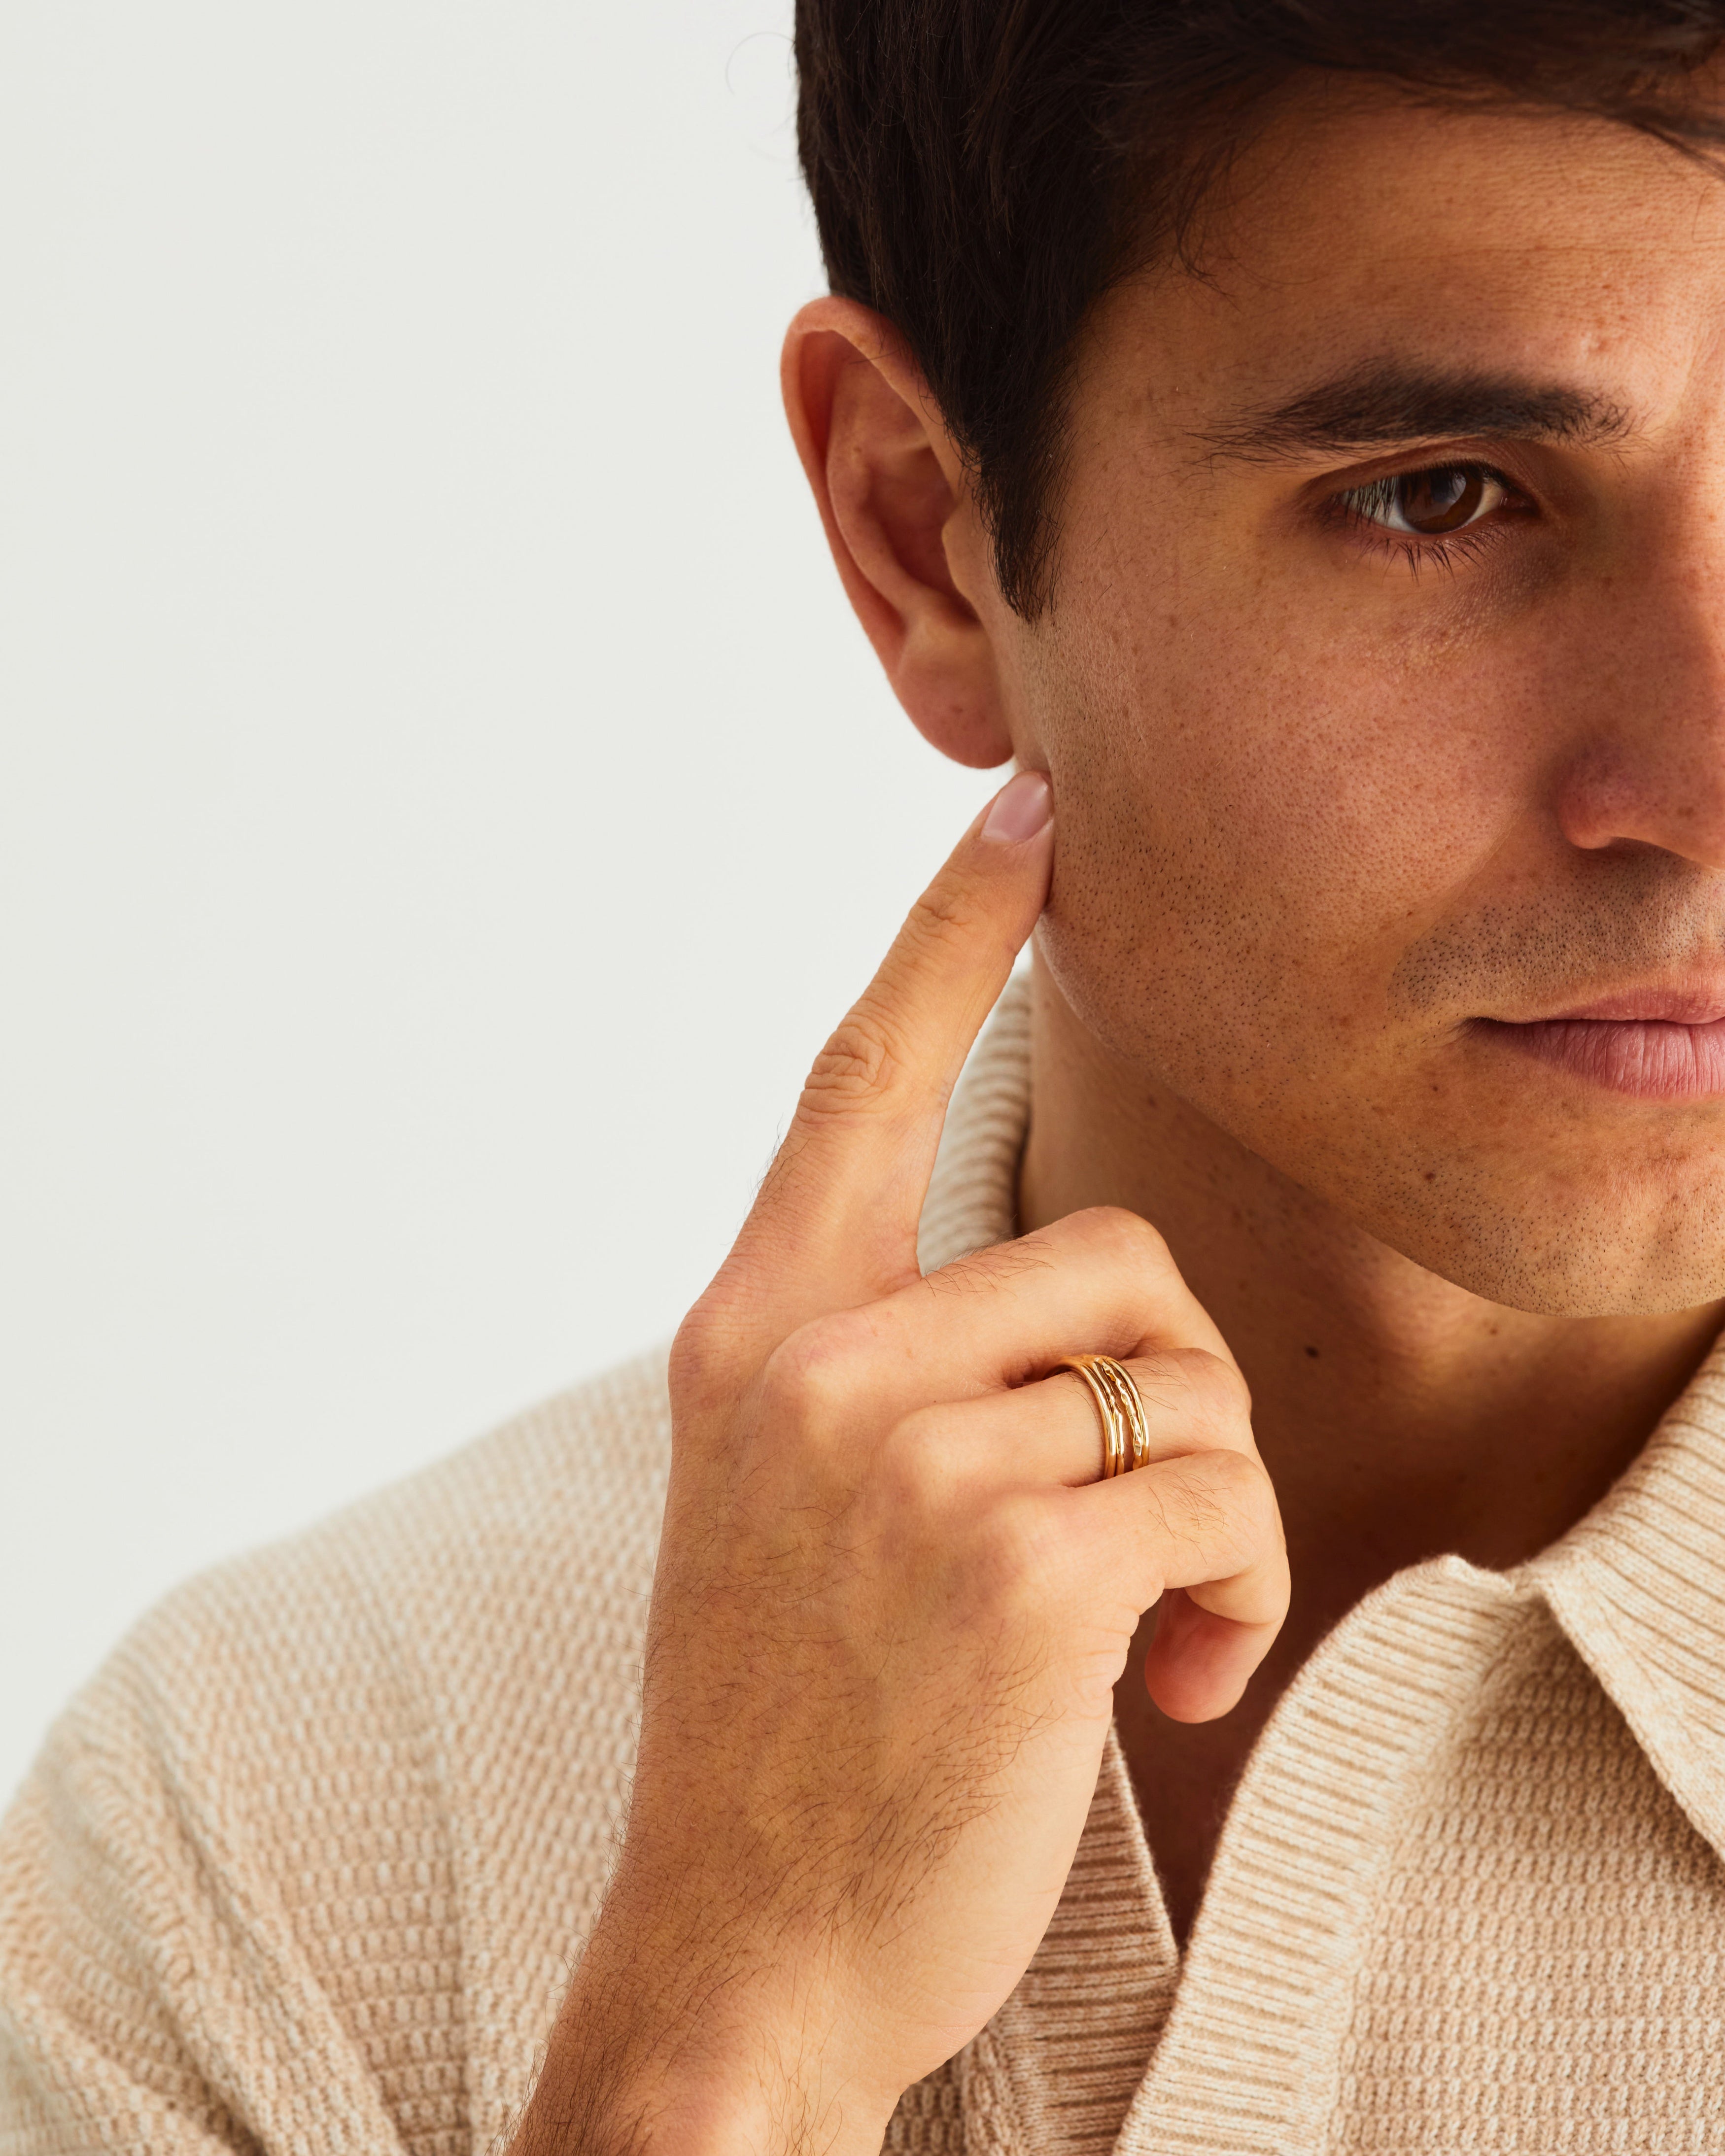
1329,801
1320,810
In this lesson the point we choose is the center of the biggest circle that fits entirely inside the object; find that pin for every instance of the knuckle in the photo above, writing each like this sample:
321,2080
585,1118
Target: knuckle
914,1464
812,1378
946,913
855,1070
1217,1401
1020,1549
1125,1237
702,1355
1233,1478
1236,1392
1243,1493
1216,1508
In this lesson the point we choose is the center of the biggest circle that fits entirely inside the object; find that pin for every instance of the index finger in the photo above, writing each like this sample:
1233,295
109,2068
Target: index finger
834,1223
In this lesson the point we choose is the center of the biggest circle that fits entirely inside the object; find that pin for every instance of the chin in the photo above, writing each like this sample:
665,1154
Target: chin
1617,1245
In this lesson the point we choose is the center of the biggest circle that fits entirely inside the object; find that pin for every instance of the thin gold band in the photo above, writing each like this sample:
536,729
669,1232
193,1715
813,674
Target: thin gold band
1132,1404
1126,1429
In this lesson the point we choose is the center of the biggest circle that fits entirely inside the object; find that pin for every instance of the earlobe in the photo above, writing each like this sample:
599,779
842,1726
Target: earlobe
896,507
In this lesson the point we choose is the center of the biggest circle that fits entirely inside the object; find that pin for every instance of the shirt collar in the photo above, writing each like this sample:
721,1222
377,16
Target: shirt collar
972,1194
1638,1585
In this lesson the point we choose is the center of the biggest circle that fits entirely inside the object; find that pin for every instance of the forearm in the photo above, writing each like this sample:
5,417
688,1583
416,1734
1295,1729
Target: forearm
667,2045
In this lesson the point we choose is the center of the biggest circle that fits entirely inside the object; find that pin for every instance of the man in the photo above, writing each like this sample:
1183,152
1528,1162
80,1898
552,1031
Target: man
1295,438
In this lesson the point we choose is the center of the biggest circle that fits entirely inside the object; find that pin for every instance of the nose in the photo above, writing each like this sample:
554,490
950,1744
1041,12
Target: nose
1648,763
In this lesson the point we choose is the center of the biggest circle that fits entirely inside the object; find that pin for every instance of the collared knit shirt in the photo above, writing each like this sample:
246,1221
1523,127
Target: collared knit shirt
304,1870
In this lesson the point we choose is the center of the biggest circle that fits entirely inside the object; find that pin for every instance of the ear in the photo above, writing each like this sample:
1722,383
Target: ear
901,519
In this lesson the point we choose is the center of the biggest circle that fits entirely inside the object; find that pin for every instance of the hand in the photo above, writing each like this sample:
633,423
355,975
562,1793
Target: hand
893,1597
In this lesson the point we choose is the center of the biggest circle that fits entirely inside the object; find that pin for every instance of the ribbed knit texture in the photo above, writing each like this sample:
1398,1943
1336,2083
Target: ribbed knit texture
305,1868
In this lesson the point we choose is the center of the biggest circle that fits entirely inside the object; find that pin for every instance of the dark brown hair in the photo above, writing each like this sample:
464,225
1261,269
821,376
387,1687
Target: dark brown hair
983,170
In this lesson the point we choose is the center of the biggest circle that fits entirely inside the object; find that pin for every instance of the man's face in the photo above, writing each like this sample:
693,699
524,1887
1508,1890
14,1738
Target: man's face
1384,690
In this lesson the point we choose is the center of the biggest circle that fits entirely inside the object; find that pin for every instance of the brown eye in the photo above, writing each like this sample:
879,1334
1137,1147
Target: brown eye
1441,501
1445,499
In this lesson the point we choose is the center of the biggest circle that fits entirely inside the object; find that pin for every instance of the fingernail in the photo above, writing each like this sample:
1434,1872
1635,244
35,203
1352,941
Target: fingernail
1022,807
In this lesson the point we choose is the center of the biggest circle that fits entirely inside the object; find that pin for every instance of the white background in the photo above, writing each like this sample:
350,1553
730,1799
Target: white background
444,799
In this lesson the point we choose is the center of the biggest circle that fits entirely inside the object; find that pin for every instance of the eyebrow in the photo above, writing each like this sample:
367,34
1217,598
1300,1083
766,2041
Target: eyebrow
1382,404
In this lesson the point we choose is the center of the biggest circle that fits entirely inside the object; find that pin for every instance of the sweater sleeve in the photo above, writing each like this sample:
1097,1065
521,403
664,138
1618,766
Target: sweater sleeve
304,1868
159,1994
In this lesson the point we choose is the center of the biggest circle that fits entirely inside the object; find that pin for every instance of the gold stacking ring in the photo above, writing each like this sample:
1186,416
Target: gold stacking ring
1126,1429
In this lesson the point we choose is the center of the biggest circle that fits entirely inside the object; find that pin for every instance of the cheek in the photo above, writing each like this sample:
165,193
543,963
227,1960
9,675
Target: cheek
1254,824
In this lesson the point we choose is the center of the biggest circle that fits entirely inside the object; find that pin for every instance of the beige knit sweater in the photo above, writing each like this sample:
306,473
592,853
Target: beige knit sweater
304,1870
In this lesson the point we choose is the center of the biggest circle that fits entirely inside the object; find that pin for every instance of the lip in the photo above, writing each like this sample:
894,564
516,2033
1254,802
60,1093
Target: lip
1655,1006
1628,1045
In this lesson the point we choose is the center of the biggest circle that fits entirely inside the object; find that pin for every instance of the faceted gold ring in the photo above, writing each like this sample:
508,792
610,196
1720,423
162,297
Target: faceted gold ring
1126,1427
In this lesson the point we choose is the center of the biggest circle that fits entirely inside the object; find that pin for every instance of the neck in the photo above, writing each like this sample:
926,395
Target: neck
1400,1416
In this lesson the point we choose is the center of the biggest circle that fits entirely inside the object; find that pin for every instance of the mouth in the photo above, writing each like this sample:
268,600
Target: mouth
1653,1045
